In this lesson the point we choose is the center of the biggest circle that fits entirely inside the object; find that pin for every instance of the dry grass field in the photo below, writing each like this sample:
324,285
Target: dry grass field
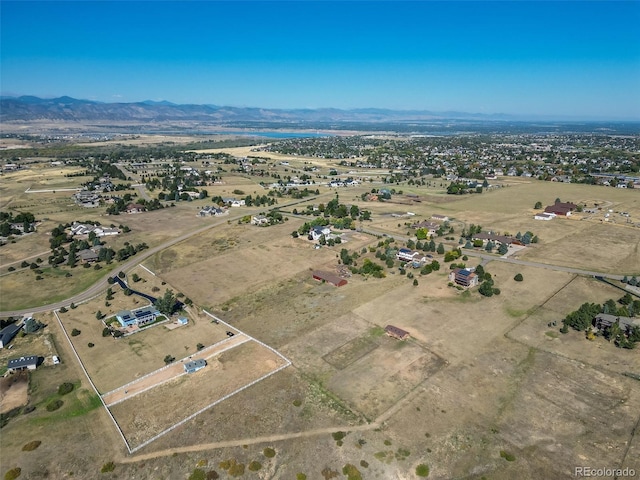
152,412
479,375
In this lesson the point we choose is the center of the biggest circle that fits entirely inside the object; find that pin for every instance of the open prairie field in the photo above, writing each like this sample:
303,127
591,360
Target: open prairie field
230,261
20,289
534,330
149,413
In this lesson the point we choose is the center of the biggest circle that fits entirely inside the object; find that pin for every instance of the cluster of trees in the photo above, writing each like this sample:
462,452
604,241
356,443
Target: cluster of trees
369,268
459,188
434,266
527,238
487,286
626,306
452,255
167,303
7,220
633,281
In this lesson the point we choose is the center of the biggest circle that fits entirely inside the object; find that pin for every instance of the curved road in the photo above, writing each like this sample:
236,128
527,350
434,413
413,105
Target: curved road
101,284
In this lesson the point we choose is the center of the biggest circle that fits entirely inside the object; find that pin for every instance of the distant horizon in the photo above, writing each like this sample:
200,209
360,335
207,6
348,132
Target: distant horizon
483,116
526,59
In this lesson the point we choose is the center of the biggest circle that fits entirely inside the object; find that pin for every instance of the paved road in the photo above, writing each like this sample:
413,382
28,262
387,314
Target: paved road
101,284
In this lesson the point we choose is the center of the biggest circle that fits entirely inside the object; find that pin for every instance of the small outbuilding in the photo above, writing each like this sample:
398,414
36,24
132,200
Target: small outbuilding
195,365
329,278
396,332
183,321
23,363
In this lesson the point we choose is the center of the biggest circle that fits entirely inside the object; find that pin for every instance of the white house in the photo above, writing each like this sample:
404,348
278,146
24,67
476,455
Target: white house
317,232
544,216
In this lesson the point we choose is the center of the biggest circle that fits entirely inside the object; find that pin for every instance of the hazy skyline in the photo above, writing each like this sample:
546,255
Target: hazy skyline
564,59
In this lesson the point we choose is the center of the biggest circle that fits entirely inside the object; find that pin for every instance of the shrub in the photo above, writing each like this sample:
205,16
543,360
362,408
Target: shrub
269,452
507,456
168,359
106,332
63,310
12,474
212,475
67,275
121,274
75,332
518,277
199,346
255,466
364,463
90,345
110,281
28,409
338,435
197,474
422,470
108,467
54,405
301,476
66,387
297,402
352,472
72,306
31,446
387,442
11,269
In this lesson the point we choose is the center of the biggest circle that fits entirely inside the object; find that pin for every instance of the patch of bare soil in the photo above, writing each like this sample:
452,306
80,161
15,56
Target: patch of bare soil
14,391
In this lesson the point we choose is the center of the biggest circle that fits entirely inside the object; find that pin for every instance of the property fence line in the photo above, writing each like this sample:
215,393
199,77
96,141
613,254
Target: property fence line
142,266
193,415
168,379
55,312
252,338
127,385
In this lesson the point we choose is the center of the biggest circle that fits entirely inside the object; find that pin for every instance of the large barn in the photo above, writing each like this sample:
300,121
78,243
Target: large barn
329,278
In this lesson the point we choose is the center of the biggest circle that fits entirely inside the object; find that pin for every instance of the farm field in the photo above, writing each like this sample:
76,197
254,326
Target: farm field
479,376
224,374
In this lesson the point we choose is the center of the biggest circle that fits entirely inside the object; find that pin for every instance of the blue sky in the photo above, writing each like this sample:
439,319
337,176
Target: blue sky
567,59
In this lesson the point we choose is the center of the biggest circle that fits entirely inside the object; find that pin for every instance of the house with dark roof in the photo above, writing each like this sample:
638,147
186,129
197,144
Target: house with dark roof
195,365
142,316
396,332
7,334
605,320
329,278
561,209
499,239
87,256
464,277
23,363
135,208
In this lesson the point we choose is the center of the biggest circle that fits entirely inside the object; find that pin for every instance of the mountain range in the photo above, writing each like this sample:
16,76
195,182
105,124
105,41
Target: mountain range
31,108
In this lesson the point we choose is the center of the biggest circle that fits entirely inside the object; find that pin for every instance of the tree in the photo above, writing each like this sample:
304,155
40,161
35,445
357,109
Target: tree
440,249
99,315
518,277
168,359
106,331
503,249
75,332
538,205
486,289
415,282
121,274
167,303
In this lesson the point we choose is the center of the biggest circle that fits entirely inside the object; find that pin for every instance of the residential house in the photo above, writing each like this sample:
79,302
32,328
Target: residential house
499,239
396,332
417,259
233,202
23,363
139,317
318,231
431,227
604,320
7,334
464,276
87,256
195,365
259,220
135,208
440,218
